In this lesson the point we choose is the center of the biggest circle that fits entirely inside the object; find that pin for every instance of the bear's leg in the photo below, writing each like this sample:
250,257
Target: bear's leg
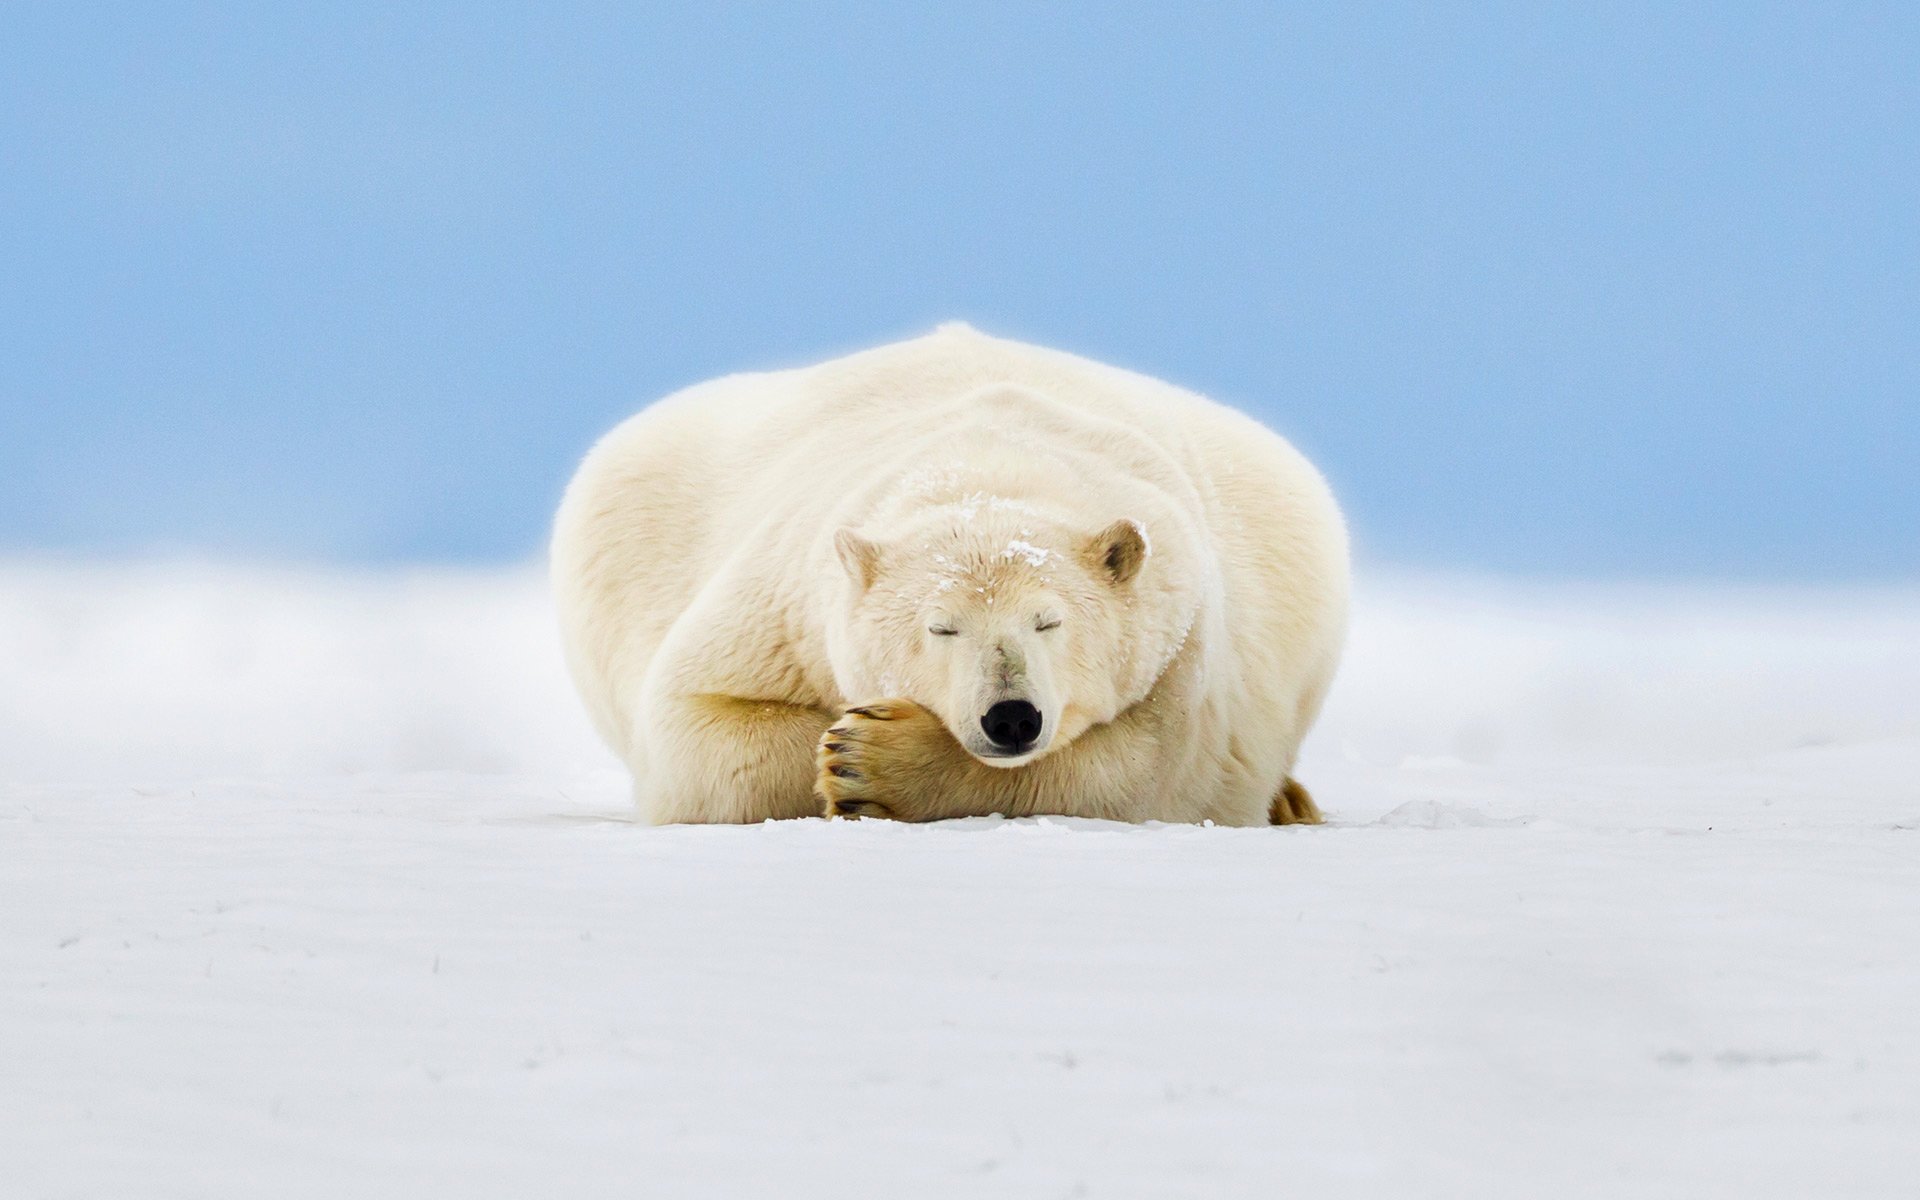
1294,805
892,758
714,759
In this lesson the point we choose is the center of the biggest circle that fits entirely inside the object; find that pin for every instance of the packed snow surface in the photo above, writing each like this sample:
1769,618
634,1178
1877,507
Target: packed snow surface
317,885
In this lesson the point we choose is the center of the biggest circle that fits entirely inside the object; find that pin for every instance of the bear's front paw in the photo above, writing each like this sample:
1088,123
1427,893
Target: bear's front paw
877,760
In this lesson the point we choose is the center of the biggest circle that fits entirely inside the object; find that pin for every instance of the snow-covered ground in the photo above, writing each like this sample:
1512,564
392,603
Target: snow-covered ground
317,885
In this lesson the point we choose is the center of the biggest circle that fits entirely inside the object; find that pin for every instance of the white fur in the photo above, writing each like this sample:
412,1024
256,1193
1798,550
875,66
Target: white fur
742,561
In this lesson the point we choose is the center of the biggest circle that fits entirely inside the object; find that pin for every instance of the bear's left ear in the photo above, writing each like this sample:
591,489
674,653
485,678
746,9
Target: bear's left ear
859,556
1120,550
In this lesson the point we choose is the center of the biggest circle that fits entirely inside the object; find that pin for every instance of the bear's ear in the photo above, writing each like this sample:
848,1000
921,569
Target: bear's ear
860,557
1120,550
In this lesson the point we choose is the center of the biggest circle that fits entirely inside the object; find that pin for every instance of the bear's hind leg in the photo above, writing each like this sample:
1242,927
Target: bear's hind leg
1294,805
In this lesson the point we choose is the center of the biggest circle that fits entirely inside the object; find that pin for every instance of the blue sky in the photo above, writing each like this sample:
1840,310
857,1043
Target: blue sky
1630,291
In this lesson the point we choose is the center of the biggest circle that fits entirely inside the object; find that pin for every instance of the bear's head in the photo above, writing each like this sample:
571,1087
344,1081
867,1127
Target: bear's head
1018,631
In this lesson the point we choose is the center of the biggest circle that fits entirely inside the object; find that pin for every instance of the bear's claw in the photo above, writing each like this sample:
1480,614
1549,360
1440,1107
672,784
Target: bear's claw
860,808
885,710
867,763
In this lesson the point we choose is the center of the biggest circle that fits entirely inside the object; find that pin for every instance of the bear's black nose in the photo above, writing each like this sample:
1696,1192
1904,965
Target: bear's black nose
1012,725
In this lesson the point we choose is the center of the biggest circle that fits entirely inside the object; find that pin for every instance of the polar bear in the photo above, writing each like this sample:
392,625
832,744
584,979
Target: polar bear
956,575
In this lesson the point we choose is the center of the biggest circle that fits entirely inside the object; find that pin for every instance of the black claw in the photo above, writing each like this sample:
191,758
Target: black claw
860,712
844,772
838,747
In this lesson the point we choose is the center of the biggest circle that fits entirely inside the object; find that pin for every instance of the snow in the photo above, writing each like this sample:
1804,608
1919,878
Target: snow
317,885
1027,552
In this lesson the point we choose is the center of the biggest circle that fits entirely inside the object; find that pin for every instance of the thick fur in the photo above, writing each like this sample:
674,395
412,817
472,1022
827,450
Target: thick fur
799,592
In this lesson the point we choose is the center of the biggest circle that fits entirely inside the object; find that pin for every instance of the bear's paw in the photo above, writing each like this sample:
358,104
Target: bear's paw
884,759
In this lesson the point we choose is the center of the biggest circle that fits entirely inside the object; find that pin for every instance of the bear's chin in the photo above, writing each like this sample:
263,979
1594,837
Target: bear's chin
1007,762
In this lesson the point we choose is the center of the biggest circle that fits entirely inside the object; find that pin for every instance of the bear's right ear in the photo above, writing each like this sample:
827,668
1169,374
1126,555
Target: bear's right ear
860,557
